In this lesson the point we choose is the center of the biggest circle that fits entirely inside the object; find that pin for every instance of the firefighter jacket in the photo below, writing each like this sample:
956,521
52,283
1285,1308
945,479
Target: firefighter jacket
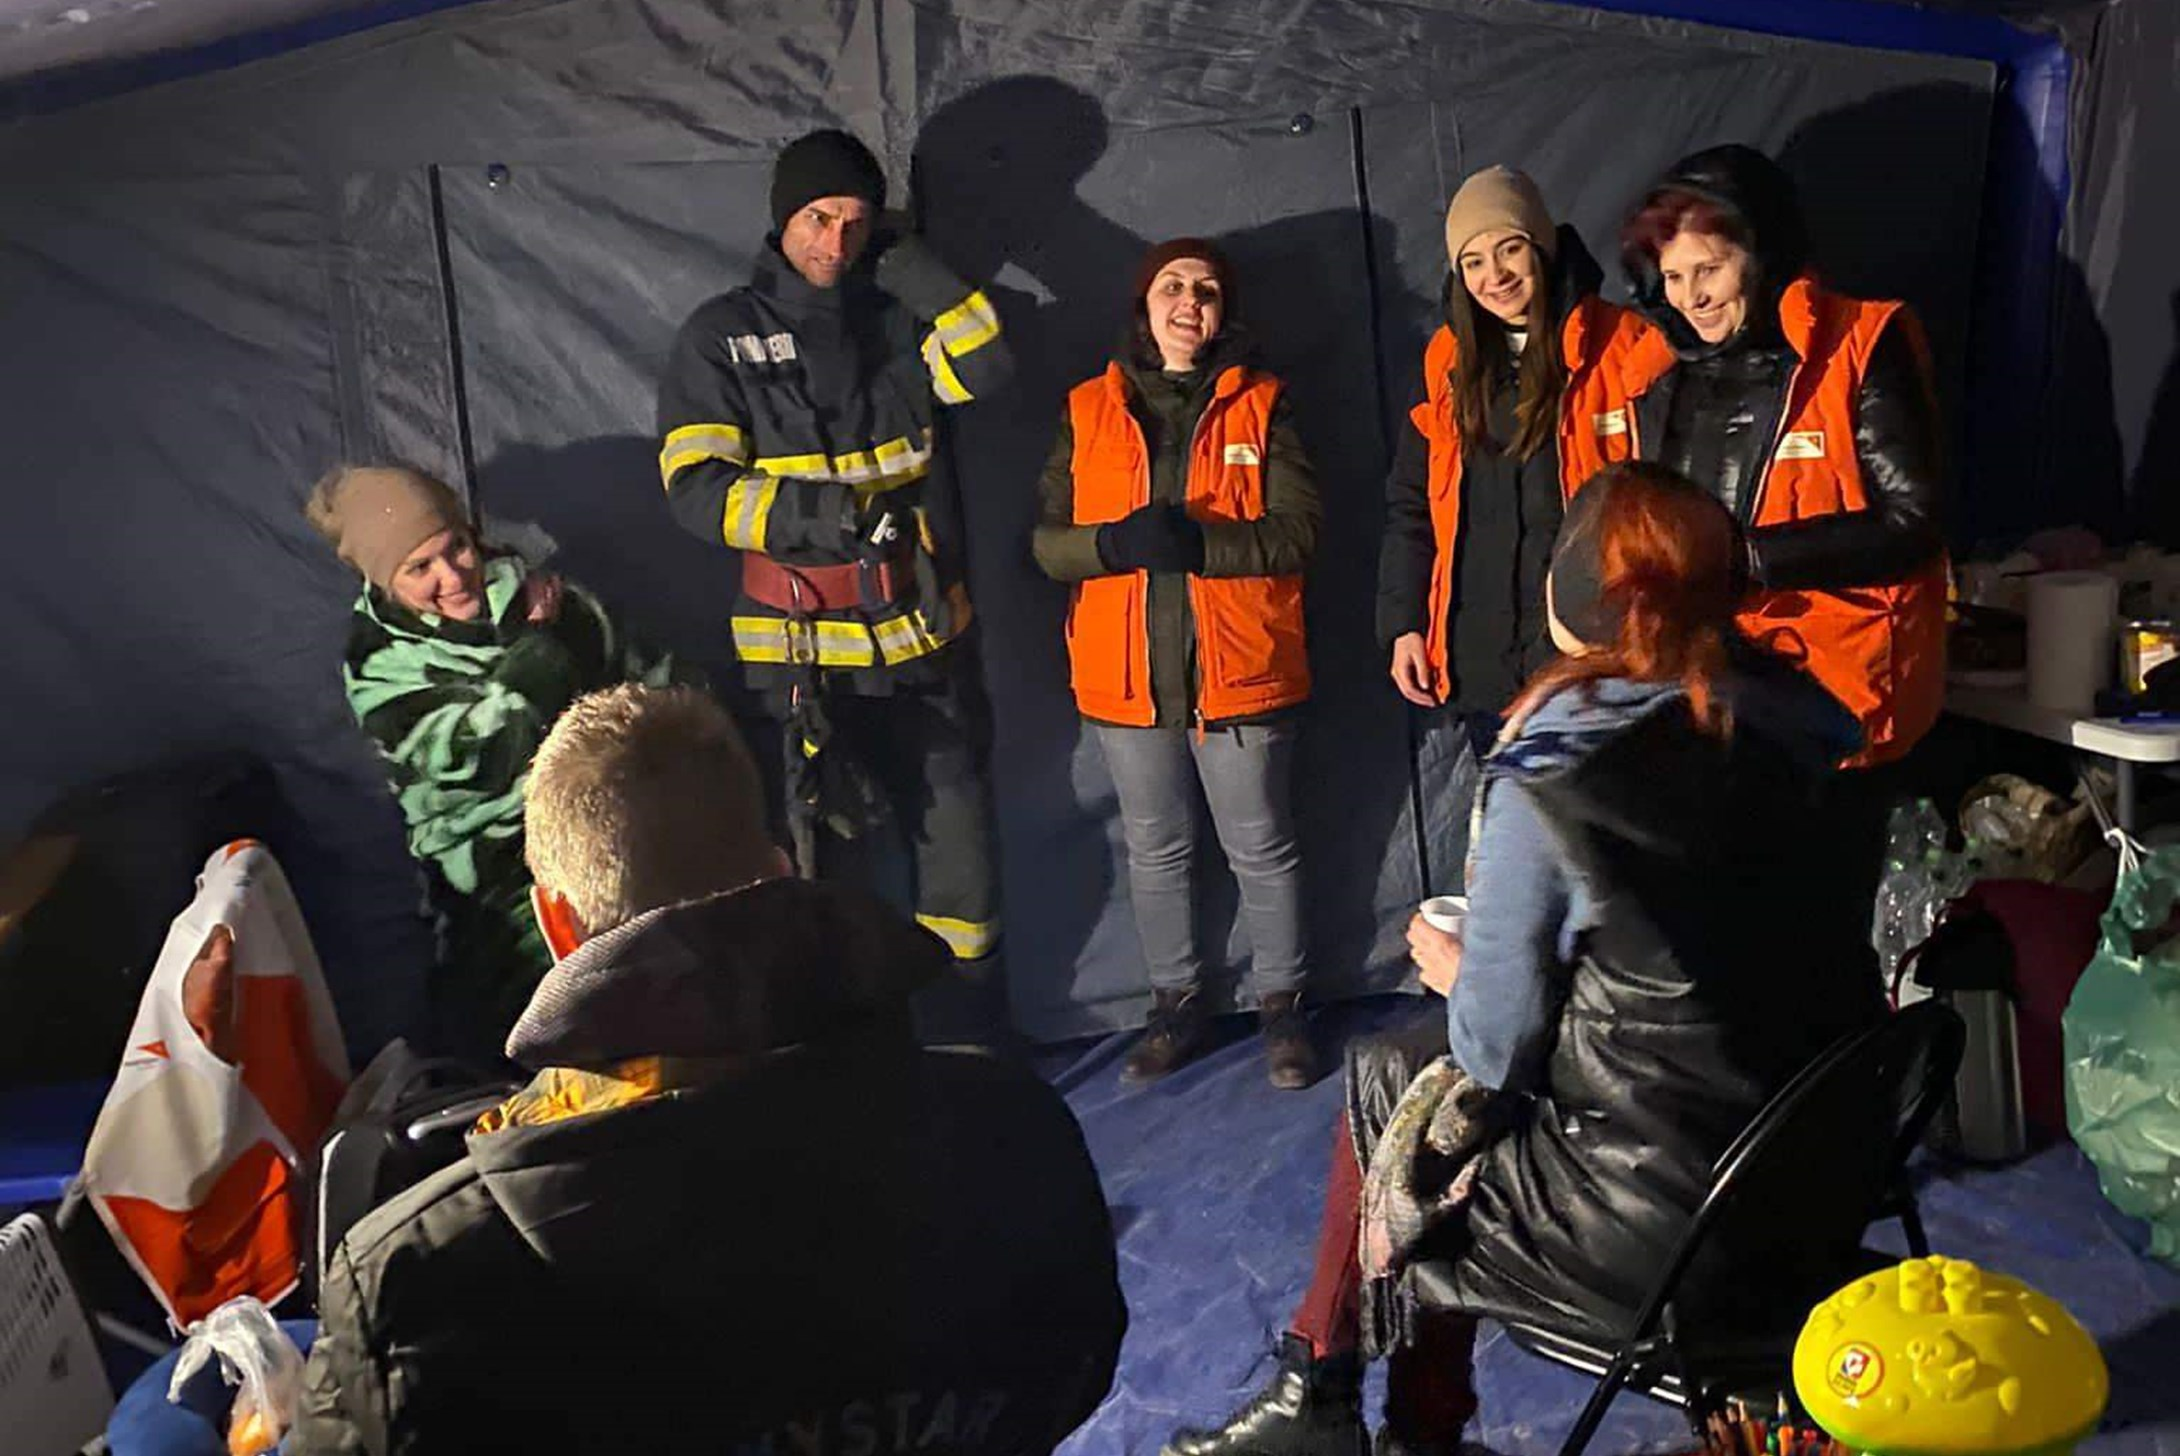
787,410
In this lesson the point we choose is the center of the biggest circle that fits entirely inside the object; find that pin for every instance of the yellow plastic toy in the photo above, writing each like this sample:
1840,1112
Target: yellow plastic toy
1935,1357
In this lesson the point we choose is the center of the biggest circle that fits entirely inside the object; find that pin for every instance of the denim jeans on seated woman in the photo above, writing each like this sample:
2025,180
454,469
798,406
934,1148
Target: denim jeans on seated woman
1245,772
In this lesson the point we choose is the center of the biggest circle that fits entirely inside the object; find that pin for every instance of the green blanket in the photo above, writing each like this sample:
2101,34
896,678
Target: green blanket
457,710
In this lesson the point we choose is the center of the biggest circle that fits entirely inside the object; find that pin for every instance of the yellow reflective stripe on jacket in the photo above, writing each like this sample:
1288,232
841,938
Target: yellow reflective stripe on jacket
968,939
692,444
825,643
955,334
895,463
899,461
815,467
905,637
748,510
945,383
968,326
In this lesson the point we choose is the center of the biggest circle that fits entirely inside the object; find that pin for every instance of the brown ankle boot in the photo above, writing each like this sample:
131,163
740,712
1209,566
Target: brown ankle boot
1169,1037
1291,1060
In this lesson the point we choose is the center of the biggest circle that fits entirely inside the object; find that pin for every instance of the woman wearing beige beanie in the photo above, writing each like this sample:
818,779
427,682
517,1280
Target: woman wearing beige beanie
1523,398
458,662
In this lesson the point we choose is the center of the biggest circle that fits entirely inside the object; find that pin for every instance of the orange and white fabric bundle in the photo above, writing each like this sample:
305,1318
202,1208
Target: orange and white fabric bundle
232,1072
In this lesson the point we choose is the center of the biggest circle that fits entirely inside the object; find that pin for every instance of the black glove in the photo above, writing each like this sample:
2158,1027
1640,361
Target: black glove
540,670
931,597
1152,538
914,276
870,526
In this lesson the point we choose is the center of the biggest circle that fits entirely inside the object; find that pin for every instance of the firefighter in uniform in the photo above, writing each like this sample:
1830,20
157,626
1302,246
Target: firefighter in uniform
796,427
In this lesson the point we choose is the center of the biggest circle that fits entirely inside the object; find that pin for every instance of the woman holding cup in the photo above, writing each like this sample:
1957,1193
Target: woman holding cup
1656,944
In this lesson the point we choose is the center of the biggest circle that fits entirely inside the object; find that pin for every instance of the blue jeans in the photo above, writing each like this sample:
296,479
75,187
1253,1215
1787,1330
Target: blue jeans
1246,773
1482,732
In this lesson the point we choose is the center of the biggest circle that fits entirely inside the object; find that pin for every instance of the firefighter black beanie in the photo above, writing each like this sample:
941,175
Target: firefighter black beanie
824,164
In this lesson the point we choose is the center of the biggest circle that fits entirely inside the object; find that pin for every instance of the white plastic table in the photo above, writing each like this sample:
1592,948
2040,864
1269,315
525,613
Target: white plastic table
2127,745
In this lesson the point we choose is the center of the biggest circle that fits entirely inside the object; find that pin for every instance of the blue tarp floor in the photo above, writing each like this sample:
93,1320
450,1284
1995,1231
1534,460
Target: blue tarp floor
1214,1180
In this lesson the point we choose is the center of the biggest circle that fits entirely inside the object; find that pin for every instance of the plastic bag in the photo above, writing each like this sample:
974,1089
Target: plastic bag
1922,876
2017,830
255,1354
2122,1034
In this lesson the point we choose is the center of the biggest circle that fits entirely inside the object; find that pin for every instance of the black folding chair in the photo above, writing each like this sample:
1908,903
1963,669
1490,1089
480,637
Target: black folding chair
1843,1130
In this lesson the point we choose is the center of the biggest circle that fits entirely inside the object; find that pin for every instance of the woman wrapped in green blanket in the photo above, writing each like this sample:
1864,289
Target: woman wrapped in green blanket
458,662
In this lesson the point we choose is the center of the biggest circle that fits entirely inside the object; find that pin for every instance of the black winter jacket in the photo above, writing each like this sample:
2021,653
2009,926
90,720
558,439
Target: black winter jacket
838,1242
1715,416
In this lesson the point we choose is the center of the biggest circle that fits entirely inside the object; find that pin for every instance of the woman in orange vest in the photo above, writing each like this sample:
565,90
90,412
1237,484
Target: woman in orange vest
1524,397
1180,507
1811,416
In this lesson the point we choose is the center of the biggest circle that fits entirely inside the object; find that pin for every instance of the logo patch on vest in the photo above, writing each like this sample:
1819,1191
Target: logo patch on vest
1243,455
1802,445
1611,422
770,349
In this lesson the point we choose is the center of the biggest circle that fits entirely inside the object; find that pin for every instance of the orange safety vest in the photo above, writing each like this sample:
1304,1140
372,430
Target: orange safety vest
1612,354
1251,652
1879,649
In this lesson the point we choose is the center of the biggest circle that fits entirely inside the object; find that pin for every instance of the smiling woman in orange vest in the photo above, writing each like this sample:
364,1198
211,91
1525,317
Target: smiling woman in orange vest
1180,507
1810,415
1523,398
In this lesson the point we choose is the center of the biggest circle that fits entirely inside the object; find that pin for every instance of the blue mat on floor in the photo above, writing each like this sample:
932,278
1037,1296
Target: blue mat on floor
1214,1180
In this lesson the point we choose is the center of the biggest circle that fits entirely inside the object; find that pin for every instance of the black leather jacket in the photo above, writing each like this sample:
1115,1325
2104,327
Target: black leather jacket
1685,1010
1715,415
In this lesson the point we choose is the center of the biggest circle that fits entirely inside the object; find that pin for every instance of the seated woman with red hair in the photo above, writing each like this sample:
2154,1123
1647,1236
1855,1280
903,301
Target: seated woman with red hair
1622,999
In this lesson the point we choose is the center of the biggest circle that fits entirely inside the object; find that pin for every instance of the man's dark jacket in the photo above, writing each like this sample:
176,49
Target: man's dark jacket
832,1244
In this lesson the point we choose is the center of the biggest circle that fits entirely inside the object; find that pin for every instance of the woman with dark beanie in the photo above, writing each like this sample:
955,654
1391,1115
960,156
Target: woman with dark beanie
1180,507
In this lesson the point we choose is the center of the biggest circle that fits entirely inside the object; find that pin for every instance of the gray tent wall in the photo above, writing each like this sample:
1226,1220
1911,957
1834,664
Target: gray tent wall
467,241
2120,339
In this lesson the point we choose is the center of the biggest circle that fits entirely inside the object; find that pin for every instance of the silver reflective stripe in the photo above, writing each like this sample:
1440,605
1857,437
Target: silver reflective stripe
749,507
968,325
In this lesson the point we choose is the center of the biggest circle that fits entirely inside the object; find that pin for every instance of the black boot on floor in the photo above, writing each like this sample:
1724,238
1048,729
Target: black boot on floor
1290,1059
1311,1407
1169,1038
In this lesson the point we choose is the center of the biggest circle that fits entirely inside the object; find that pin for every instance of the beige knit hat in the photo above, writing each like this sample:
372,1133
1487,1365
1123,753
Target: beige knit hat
1498,197
376,515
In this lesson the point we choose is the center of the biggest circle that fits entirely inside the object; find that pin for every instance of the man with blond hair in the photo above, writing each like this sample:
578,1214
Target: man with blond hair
736,1207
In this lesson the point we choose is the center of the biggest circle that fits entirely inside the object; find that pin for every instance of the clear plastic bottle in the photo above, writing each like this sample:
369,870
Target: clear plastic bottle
1922,876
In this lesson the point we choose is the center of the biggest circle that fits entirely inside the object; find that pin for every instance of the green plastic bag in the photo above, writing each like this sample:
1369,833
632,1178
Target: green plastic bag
2122,1032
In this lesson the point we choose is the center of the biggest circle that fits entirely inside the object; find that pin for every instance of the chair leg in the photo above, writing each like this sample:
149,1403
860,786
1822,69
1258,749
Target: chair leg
1593,1414
1911,1223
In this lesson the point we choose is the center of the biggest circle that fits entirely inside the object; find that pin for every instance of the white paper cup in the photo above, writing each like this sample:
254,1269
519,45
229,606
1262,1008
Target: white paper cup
1445,912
